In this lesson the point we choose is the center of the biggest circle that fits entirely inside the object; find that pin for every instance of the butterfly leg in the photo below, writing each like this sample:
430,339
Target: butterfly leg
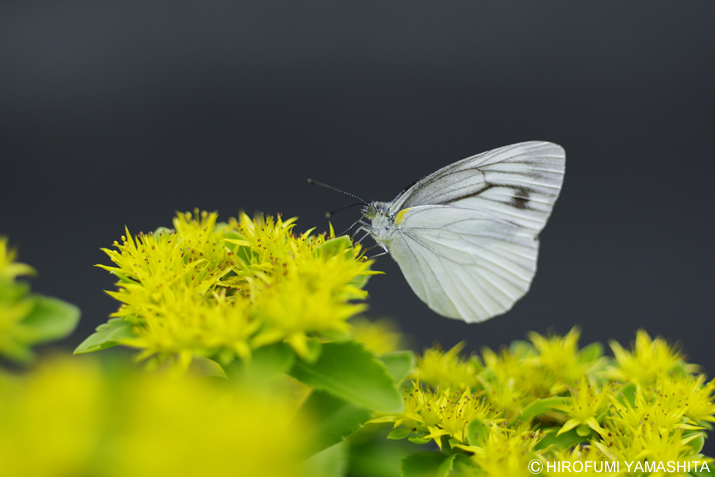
364,227
353,231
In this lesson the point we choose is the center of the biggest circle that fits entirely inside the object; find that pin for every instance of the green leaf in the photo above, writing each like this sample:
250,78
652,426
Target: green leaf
477,432
398,364
373,456
539,407
704,469
50,319
334,419
562,441
427,464
107,335
349,371
265,363
331,462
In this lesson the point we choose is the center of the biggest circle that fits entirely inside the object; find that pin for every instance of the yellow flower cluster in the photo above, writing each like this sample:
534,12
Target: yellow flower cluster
381,336
72,416
538,400
223,289
9,268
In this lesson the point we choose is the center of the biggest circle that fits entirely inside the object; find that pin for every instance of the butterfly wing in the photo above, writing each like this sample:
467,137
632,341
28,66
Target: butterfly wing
519,183
466,236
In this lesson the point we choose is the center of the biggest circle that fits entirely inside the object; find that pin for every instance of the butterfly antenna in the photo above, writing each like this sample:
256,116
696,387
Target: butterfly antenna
333,212
362,202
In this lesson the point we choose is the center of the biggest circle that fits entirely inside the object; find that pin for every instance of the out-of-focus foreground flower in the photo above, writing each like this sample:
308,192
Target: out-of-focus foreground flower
71,416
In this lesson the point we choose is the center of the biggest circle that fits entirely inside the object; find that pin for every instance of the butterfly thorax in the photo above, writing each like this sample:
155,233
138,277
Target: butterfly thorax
382,226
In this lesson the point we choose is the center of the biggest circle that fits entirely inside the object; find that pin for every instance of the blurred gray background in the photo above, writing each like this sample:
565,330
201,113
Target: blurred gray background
121,113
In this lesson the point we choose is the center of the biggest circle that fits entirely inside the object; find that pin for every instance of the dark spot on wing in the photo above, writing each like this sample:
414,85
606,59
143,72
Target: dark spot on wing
520,200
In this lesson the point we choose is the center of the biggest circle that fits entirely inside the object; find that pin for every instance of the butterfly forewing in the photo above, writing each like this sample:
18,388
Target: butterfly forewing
522,180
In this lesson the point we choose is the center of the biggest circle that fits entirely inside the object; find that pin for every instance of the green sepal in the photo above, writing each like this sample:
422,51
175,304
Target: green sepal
697,443
477,432
521,348
707,425
334,246
314,348
679,368
349,371
342,244
427,464
115,271
451,442
243,252
539,407
162,230
419,440
398,364
591,352
107,335
360,281
334,419
627,393
583,430
205,367
397,434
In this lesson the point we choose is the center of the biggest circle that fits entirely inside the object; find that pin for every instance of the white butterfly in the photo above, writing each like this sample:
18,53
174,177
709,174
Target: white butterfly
465,237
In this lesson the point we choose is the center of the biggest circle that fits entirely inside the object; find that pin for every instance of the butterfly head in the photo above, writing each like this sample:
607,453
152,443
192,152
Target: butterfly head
369,211
376,209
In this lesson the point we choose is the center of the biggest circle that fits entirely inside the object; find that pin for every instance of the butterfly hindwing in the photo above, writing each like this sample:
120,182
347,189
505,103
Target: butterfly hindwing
464,265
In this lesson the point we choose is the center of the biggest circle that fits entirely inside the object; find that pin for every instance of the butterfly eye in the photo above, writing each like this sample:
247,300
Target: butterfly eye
370,211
